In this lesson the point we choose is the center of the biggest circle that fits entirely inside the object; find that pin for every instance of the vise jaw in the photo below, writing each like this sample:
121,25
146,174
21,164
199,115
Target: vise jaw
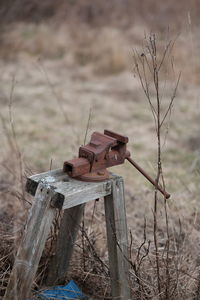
103,151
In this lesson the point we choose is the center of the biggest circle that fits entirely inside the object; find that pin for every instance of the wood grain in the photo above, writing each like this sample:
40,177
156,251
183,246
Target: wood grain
66,238
69,192
117,240
29,253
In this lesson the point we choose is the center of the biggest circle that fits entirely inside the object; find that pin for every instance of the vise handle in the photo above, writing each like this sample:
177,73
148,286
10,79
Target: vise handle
103,151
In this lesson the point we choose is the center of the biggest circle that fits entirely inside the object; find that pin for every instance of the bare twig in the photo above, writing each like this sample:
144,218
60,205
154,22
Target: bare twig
152,61
14,136
88,125
52,88
172,100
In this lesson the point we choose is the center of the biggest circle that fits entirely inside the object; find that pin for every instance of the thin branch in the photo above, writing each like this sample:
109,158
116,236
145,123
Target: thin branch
88,125
164,55
51,86
172,100
14,135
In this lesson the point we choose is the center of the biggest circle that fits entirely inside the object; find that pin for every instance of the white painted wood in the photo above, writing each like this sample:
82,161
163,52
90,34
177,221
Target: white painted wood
117,240
49,177
74,192
58,266
78,192
29,253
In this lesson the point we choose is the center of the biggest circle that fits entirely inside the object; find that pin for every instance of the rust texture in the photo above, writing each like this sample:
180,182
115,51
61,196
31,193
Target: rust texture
103,151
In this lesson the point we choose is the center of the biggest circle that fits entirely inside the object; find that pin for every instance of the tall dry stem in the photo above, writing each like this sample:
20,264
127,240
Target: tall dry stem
148,66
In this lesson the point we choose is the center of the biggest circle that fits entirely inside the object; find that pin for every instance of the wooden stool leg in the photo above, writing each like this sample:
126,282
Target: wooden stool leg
117,240
66,239
29,253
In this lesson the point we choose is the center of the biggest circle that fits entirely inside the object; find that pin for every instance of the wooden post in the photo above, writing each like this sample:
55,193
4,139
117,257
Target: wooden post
29,253
66,239
117,240
54,189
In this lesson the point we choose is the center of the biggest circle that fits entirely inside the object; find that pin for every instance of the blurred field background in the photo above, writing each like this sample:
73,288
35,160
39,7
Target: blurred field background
63,61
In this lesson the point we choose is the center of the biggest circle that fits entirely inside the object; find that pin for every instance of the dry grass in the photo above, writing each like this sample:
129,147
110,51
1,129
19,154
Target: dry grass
61,73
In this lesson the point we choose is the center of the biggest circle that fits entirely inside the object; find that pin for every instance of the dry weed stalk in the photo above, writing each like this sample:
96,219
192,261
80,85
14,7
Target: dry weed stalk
148,67
11,137
13,188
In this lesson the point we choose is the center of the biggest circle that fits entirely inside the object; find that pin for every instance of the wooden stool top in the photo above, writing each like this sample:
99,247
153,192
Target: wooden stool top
69,192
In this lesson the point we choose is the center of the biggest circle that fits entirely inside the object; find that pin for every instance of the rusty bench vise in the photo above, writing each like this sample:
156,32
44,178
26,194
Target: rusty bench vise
103,151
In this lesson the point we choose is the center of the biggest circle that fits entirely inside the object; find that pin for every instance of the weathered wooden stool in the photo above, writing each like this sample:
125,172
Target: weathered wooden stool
55,190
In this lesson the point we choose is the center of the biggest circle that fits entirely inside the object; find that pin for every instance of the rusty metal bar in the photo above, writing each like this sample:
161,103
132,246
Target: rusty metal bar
166,195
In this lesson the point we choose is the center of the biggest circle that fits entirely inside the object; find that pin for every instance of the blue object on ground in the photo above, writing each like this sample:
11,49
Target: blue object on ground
66,292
